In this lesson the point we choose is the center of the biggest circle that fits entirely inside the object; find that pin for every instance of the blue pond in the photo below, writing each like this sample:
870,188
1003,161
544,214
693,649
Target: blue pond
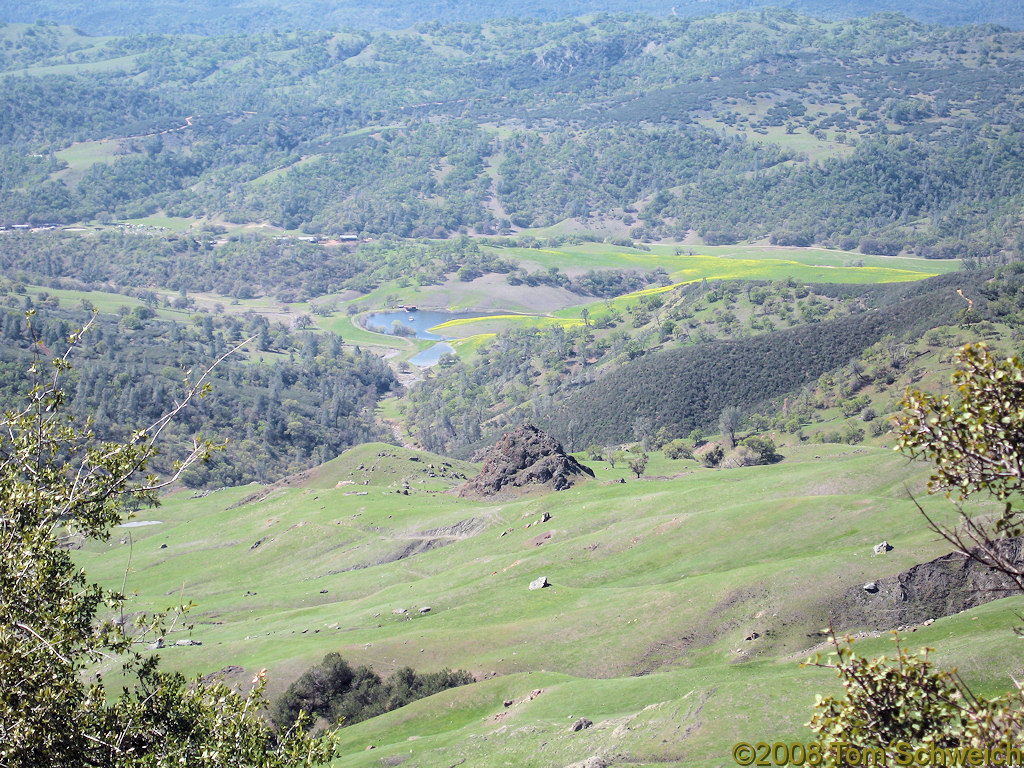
418,322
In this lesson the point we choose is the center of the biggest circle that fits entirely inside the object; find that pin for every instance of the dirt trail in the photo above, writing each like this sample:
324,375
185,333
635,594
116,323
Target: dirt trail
970,303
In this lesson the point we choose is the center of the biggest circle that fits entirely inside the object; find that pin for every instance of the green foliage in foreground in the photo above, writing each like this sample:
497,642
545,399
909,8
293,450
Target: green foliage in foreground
976,442
342,695
893,706
55,625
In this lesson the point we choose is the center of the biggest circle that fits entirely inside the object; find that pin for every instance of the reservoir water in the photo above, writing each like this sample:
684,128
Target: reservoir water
417,324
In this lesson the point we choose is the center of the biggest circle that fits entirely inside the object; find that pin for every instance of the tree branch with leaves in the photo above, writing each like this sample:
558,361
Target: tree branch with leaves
56,626
975,441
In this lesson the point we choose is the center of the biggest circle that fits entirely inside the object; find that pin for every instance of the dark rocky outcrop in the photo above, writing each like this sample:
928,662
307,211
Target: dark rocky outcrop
526,456
580,725
942,587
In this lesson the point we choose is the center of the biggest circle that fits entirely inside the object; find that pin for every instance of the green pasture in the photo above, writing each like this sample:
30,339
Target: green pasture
491,324
750,262
278,172
800,140
656,586
173,223
471,344
83,155
827,257
126,63
106,303
353,333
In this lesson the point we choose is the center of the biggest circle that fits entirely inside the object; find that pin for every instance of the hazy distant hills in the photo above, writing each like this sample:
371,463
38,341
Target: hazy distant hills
121,17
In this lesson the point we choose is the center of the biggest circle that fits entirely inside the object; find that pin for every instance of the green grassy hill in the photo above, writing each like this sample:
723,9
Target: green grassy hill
680,606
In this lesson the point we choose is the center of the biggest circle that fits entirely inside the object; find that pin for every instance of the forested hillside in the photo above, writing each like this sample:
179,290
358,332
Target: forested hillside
685,388
678,359
285,401
250,15
883,133
324,173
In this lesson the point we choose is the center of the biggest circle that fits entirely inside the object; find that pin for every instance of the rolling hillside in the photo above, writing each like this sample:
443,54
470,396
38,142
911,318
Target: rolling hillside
680,606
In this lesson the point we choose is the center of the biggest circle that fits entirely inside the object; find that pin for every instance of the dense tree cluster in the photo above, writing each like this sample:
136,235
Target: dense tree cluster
688,387
240,267
333,690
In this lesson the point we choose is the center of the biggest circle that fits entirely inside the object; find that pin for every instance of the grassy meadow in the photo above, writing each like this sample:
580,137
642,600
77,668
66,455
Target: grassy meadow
679,608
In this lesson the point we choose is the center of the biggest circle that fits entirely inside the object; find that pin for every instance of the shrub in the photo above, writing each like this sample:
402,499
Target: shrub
893,706
710,454
763,446
740,456
678,449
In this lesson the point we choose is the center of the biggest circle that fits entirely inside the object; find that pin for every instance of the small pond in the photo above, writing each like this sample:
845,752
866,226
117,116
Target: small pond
417,322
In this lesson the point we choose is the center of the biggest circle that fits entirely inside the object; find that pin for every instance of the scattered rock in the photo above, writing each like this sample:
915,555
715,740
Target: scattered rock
323,591
883,547
163,546
594,761
941,587
399,611
260,541
188,642
752,636
580,725
156,645
228,671
545,517
425,609
525,456
508,702
540,583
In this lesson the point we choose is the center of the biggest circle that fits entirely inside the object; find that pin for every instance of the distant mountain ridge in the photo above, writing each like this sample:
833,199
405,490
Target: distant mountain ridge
236,16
